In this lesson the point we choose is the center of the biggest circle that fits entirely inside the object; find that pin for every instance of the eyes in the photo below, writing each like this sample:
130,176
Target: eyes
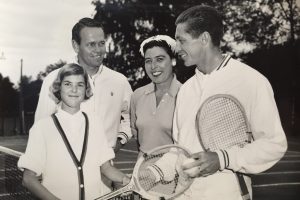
159,59
181,41
93,45
70,84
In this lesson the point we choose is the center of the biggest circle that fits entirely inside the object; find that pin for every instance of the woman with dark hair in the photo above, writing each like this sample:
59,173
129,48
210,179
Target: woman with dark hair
152,106
68,150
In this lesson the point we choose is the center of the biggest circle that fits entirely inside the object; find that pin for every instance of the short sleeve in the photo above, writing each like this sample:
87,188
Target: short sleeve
34,158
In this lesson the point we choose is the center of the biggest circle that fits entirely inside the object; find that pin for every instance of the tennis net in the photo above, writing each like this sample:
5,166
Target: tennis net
11,177
11,187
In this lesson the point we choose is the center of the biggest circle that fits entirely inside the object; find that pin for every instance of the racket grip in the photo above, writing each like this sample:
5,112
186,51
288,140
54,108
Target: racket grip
244,190
118,192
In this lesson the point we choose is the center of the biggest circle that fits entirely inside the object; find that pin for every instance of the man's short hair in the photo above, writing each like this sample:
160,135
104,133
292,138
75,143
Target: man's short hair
82,23
202,18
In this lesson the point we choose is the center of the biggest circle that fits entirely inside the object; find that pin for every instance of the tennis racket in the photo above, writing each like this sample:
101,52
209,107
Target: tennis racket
221,123
158,174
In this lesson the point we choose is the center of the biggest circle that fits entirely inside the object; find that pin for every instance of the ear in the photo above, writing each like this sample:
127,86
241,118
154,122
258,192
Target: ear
205,38
173,62
75,46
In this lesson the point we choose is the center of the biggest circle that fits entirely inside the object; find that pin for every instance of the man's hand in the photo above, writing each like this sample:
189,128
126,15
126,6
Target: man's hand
204,164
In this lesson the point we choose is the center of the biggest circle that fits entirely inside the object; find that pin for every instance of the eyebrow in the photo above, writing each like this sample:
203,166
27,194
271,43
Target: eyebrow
156,56
66,81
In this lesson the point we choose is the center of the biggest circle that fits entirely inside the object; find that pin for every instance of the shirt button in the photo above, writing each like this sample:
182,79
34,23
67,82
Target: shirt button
81,185
79,168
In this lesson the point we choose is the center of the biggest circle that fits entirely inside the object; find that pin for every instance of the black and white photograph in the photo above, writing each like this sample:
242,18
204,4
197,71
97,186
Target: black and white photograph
149,99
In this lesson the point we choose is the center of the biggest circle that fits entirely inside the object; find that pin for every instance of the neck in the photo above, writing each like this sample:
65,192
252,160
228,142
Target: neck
164,86
210,62
68,109
90,70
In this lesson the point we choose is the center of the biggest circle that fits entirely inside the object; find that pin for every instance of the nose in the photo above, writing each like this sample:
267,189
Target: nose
153,65
178,46
74,88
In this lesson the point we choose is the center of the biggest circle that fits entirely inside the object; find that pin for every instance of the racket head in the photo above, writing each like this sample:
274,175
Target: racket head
174,181
221,122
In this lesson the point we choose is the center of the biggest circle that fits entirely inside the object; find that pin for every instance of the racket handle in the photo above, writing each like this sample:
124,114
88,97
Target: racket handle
244,190
122,190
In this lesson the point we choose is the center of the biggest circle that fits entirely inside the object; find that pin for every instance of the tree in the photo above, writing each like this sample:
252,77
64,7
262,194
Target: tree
260,23
9,97
249,25
127,23
51,68
31,89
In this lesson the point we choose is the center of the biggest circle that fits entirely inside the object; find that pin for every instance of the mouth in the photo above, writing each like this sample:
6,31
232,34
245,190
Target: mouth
155,74
73,96
182,55
97,56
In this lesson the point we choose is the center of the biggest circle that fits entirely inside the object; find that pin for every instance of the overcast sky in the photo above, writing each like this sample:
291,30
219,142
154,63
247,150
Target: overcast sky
39,32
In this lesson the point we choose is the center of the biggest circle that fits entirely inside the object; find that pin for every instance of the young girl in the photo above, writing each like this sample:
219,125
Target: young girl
69,149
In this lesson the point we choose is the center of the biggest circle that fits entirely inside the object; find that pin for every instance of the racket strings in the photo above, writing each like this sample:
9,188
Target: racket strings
222,124
163,188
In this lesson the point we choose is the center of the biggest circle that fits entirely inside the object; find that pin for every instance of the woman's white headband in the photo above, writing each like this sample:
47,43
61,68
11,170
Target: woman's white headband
170,41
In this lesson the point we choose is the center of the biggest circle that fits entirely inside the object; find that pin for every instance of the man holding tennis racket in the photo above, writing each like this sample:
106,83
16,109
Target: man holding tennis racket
222,91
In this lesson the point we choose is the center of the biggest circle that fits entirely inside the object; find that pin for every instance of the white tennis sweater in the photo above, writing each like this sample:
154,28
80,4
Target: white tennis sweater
255,94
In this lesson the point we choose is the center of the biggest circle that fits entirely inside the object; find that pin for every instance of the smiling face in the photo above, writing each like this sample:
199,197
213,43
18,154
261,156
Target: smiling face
158,65
91,49
72,92
190,49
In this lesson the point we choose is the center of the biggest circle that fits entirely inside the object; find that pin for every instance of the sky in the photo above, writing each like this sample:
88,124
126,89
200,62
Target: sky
39,32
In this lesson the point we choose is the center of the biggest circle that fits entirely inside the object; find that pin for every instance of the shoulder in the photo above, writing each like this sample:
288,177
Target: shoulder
141,91
248,73
187,84
116,76
42,123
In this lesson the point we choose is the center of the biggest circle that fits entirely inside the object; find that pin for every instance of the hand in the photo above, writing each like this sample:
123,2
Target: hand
118,185
205,164
126,180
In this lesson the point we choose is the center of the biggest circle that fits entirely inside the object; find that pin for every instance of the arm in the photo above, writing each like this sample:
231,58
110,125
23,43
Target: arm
114,174
269,143
133,127
31,182
124,129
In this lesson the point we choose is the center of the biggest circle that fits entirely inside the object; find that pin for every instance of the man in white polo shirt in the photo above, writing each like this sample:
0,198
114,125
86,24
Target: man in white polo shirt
111,90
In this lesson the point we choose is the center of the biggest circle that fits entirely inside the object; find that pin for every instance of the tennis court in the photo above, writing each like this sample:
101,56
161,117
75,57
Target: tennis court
282,181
